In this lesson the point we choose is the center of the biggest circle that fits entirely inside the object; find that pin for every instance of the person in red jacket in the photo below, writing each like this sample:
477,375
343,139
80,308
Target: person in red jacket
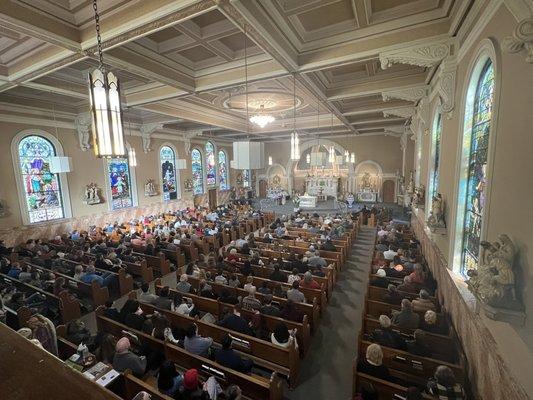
308,282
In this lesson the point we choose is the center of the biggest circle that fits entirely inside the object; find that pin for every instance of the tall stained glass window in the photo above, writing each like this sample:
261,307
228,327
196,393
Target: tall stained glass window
223,170
435,153
42,189
210,166
120,183
246,178
167,158
197,172
477,143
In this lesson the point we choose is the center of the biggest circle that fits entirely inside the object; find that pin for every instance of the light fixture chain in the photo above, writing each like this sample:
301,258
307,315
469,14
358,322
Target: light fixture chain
98,37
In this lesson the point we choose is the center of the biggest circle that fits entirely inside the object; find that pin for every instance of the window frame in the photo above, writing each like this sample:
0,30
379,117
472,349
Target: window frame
64,191
486,50
176,171
202,160
133,183
226,162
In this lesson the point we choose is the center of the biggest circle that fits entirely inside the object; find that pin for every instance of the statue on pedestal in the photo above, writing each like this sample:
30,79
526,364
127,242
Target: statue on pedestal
91,194
411,184
436,221
149,188
493,282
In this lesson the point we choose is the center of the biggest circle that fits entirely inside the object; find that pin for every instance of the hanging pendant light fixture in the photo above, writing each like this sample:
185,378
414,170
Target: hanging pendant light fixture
352,158
308,158
108,134
346,156
269,160
331,148
295,140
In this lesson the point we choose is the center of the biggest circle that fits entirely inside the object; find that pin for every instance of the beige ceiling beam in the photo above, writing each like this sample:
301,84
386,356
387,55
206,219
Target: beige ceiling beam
373,108
375,87
248,16
202,115
140,65
150,94
370,47
30,22
58,86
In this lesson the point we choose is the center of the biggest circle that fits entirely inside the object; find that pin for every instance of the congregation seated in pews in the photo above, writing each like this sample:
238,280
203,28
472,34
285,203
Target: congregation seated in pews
407,348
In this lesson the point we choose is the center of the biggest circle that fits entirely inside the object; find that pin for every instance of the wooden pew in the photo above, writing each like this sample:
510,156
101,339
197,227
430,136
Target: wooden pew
159,263
141,269
376,293
285,361
385,390
312,310
215,307
421,368
68,305
253,386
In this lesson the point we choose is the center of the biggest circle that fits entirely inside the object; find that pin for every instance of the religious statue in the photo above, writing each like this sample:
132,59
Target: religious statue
188,185
436,222
411,184
91,194
350,199
494,280
2,210
419,196
149,188
366,180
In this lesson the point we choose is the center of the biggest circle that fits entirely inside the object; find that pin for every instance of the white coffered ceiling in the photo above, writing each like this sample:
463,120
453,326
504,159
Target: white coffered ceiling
181,62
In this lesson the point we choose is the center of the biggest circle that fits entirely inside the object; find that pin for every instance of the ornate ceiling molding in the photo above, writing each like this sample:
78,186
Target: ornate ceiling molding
83,123
410,94
423,56
146,134
521,39
403,112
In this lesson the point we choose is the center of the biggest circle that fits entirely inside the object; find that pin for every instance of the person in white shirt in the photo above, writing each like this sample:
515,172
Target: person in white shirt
294,276
382,232
182,305
249,286
220,278
389,254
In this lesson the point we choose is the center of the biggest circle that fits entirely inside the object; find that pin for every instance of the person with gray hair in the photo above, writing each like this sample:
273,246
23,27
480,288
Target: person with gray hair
308,282
250,302
406,318
386,336
418,345
392,296
444,386
423,303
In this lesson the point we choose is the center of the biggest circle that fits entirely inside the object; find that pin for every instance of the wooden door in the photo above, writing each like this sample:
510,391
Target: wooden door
388,191
212,198
262,189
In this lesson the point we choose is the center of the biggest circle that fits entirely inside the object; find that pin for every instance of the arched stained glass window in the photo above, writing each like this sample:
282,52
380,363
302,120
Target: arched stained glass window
42,188
119,173
476,144
167,159
210,166
197,172
433,186
223,170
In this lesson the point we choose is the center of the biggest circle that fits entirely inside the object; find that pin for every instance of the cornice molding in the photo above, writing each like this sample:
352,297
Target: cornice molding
410,94
520,8
521,39
427,55
404,112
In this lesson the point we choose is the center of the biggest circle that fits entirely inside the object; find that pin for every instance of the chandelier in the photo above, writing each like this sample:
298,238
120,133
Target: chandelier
261,119
104,87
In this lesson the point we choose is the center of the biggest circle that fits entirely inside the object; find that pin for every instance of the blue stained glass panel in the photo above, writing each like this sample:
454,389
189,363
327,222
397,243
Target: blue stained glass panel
246,178
197,172
120,183
222,170
477,169
211,173
167,159
42,188
434,176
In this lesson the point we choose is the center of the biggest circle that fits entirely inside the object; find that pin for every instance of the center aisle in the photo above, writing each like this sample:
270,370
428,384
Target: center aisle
326,372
